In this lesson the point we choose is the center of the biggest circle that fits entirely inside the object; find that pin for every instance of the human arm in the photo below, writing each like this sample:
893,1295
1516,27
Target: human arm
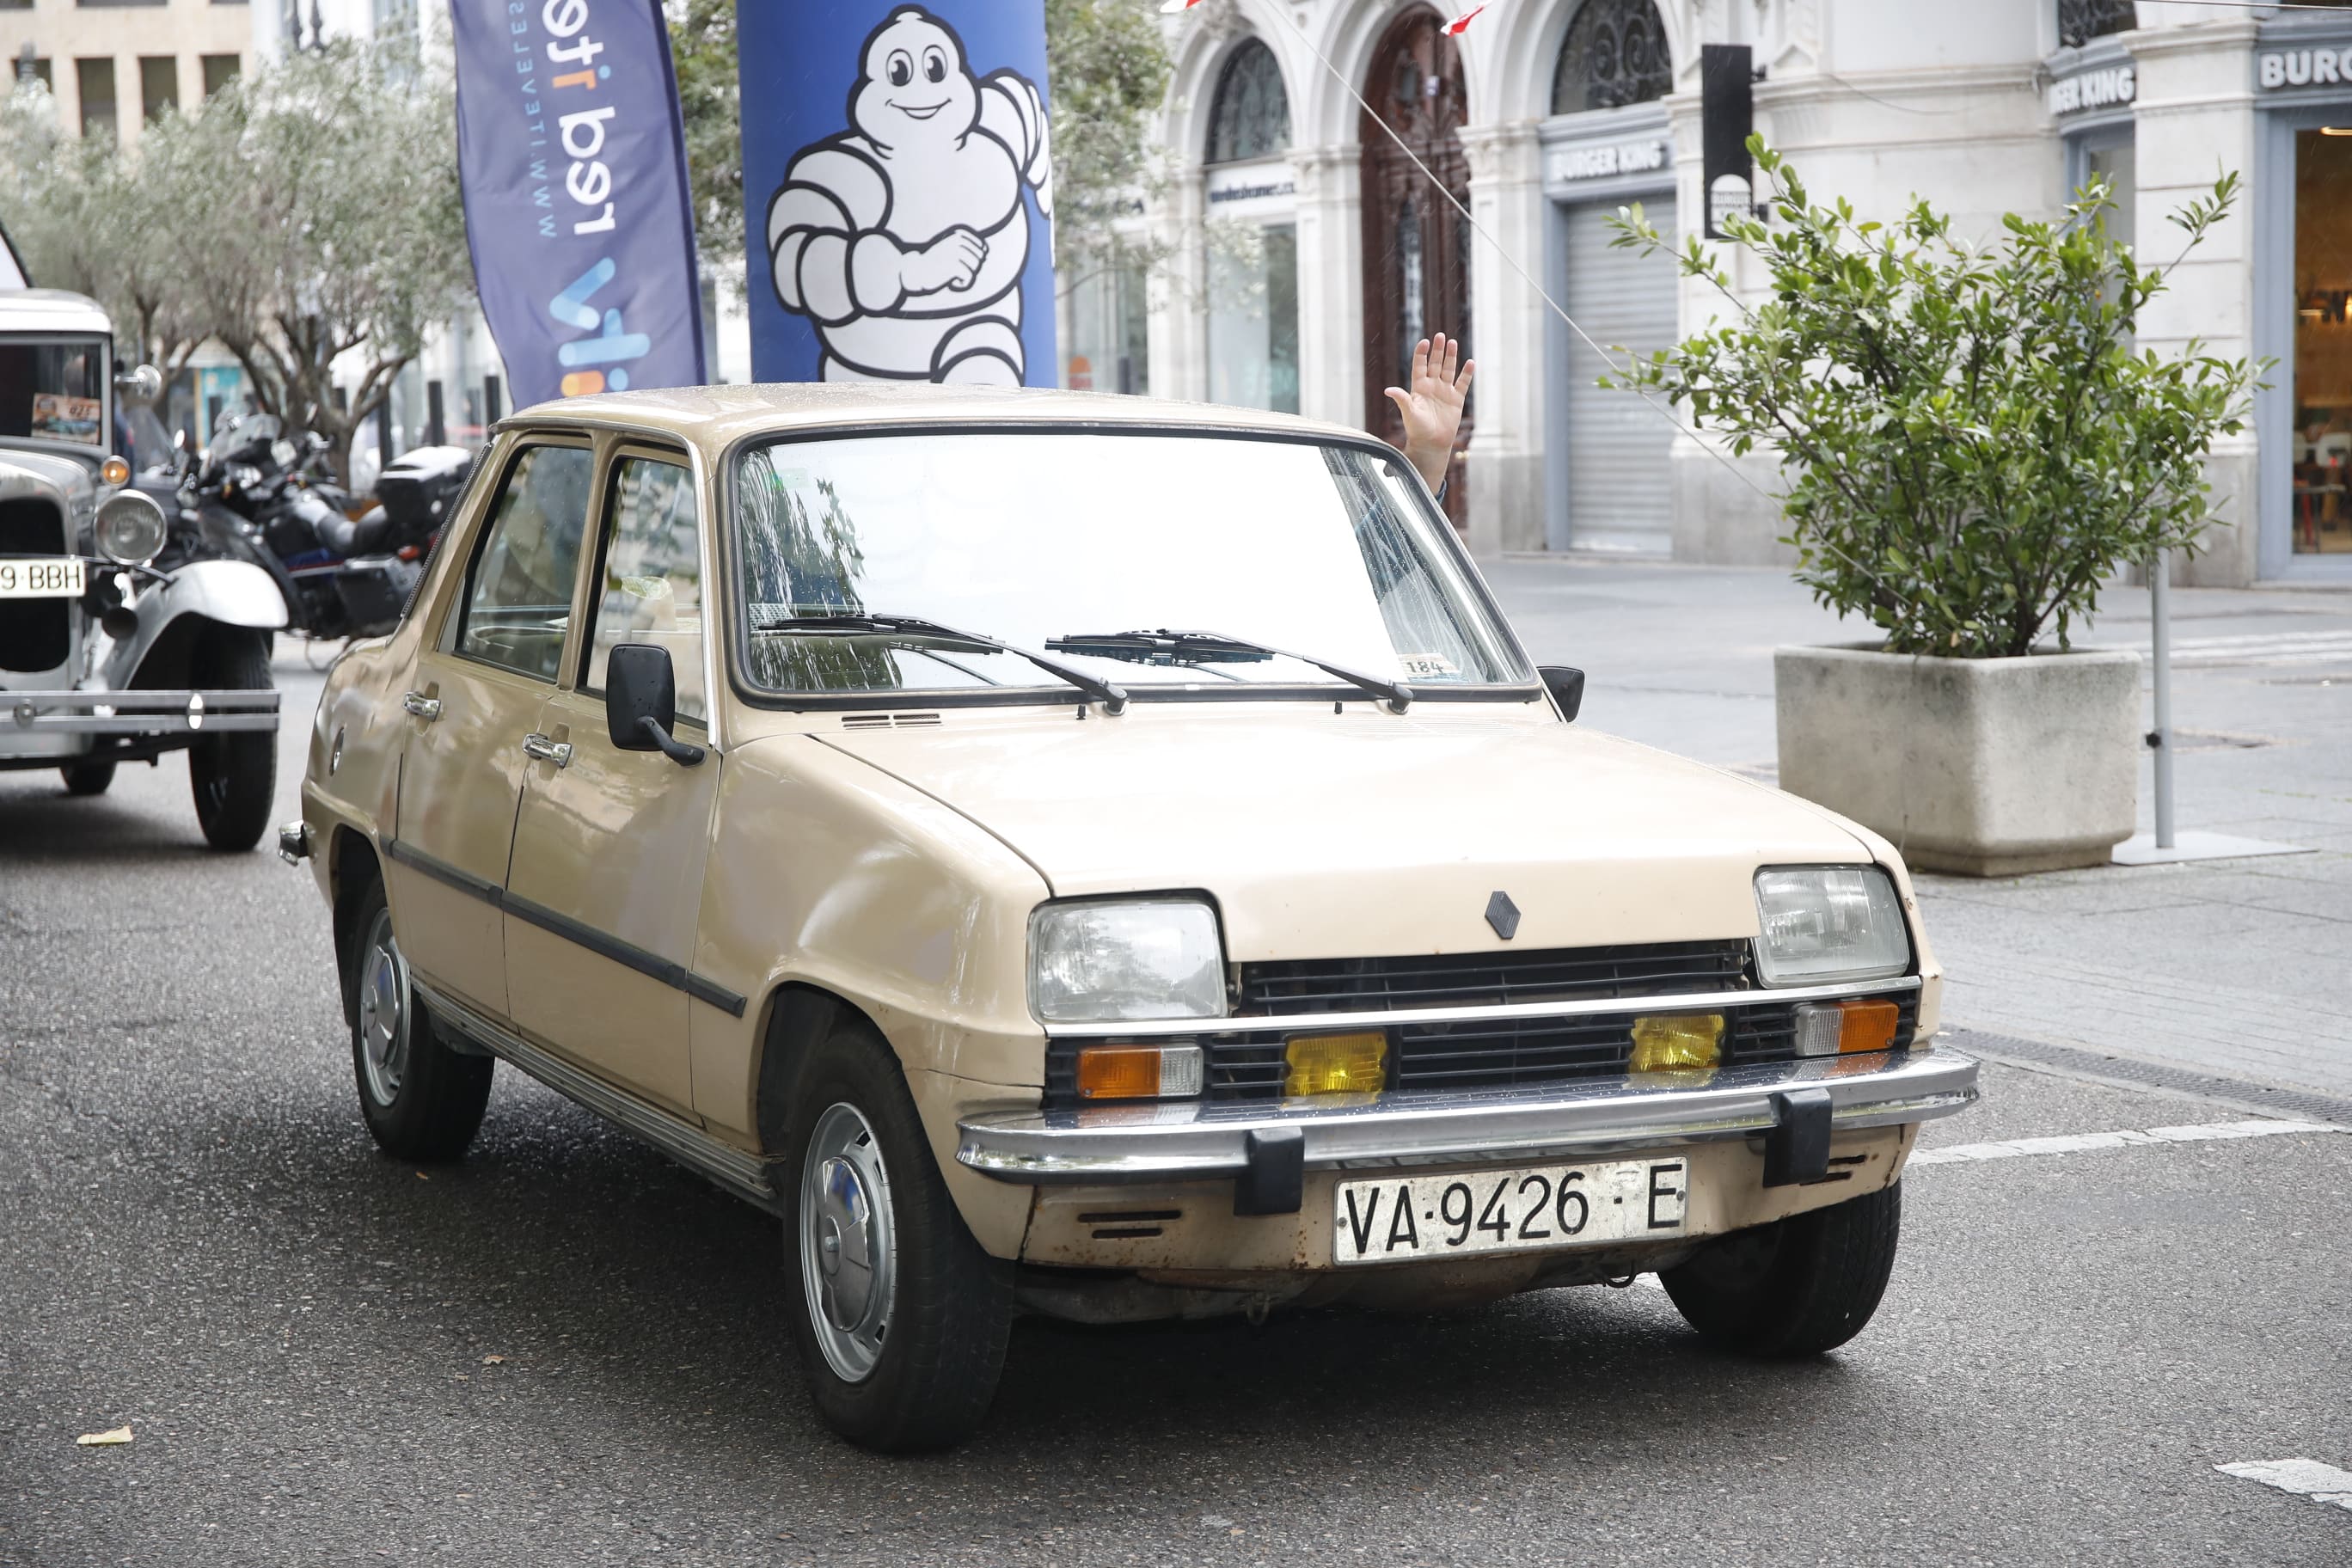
1432,408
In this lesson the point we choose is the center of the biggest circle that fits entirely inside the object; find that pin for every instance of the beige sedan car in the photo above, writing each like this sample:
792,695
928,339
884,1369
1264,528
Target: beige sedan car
1103,857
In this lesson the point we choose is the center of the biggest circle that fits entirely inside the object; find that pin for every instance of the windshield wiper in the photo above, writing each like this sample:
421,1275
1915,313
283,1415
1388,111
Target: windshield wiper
1166,646
914,628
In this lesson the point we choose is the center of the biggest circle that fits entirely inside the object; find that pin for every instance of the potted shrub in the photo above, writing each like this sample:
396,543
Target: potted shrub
1971,444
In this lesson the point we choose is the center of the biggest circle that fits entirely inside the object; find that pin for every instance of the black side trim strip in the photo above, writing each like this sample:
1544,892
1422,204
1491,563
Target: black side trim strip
603,944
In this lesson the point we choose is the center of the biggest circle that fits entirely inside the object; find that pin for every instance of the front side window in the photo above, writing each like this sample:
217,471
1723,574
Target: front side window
518,592
1096,548
650,580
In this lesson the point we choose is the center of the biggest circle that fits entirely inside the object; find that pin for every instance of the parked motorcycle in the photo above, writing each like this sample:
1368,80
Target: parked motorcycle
342,575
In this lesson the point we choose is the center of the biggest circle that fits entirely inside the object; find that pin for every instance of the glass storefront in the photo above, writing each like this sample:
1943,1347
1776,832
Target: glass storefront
2322,366
1254,319
1107,347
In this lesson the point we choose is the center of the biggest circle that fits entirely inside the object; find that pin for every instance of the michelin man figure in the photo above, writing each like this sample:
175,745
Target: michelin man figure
904,238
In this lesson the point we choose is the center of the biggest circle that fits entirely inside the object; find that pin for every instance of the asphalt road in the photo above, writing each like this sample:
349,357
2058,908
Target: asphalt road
565,1350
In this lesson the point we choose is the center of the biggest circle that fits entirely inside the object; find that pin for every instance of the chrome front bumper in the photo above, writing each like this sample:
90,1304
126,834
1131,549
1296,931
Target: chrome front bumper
166,713
1810,1099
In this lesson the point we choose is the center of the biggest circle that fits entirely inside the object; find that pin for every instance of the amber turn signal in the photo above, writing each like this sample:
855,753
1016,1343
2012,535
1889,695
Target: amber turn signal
1336,1064
115,471
1678,1042
1140,1072
1846,1028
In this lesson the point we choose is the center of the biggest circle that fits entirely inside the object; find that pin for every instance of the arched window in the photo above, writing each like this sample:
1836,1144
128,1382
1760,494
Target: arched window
2080,21
1615,54
1250,117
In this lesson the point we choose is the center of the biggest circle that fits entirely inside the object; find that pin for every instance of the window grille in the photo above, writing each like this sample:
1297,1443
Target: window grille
2079,21
1615,54
1250,117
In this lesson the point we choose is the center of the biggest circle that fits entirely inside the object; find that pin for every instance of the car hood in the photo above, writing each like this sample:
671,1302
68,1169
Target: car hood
1324,834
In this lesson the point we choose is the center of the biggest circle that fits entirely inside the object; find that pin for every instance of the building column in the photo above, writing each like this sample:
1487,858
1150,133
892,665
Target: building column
1507,337
1178,327
1330,283
2195,114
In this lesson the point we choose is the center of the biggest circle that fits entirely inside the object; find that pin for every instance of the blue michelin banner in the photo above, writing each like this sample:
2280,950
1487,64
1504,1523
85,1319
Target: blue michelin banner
573,163
898,187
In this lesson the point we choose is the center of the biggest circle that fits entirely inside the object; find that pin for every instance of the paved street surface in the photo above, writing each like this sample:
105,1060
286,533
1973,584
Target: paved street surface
566,1351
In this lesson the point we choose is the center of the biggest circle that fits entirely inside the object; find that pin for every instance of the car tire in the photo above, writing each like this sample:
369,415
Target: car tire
422,1101
901,1319
88,778
1797,1287
233,775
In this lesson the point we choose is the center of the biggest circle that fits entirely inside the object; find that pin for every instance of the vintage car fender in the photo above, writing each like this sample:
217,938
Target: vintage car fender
231,593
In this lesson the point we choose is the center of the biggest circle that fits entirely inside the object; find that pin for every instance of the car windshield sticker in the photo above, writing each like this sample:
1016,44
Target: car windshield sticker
1426,666
66,417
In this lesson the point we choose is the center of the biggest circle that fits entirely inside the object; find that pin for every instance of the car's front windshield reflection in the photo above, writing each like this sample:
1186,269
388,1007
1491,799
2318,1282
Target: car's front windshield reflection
1076,541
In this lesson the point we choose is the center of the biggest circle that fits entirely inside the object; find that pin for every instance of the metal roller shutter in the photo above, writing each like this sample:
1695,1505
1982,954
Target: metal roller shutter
1617,445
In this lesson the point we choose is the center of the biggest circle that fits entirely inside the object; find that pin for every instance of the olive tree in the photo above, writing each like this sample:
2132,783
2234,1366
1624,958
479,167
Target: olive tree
1971,439
322,220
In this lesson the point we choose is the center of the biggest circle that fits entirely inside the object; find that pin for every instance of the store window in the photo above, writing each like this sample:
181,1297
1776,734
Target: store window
1253,273
1251,115
2080,21
1614,54
1109,345
2322,445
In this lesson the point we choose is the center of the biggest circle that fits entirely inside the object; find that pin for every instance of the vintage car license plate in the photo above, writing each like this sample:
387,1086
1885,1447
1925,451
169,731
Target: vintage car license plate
59,577
1399,1217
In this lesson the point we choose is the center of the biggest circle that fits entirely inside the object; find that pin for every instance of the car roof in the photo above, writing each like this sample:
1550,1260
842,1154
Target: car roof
50,310
715,417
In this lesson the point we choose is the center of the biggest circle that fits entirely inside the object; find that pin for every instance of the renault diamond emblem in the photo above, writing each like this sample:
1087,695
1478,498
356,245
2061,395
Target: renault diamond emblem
1503,915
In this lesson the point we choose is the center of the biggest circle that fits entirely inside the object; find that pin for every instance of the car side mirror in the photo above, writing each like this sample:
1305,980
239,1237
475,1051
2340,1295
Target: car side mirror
641,703
1566,685
140,385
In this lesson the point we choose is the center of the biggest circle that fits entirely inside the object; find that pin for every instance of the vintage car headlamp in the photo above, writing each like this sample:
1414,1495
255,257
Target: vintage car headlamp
1104,960
130,528
1826,924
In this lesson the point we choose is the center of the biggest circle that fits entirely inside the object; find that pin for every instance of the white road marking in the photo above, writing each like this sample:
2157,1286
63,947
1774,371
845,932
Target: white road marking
2291,648
2303,1477
2077,1143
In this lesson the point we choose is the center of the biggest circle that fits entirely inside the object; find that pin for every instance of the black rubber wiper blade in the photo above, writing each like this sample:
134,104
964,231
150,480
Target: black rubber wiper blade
1111,695
1191,644
1158,647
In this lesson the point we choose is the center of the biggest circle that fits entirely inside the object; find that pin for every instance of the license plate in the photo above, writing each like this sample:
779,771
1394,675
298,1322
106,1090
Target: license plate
57,578
1399,1217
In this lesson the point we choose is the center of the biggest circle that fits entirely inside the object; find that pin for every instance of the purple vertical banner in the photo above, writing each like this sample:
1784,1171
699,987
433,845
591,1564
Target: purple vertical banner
898,190
573,163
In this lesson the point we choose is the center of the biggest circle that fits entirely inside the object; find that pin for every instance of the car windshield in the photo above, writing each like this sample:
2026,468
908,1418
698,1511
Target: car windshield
54,391
1172,563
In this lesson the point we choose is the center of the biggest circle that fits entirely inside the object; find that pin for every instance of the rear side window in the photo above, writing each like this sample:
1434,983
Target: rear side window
518,590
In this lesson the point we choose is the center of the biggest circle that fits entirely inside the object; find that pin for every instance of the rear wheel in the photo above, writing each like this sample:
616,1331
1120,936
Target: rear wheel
421,1099
233,773
901,1319
1797,1287
88,778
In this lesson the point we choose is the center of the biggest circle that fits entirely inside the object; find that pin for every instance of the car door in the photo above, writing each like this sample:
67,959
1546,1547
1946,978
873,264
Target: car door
610,844
475,696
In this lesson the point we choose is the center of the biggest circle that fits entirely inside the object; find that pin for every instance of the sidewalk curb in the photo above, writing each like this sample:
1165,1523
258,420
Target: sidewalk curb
2132,1072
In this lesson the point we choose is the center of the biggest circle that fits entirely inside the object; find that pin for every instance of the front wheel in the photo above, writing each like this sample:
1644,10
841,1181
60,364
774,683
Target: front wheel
233,773
901,1319
421,1099
1797,1287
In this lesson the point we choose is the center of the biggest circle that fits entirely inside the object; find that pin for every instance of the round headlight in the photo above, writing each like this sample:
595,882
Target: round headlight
130,528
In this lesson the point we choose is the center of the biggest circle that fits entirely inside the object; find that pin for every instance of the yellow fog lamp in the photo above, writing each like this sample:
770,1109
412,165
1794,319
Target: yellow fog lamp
1140,1072
1678,1042
115,471
1354,1063
1845,1029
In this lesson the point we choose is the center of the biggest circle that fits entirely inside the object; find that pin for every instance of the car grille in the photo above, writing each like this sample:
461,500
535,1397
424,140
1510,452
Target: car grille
1488,1054
35,633
1487,979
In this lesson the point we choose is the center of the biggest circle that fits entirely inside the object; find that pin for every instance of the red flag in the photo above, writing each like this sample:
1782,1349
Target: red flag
1172,7
1453,29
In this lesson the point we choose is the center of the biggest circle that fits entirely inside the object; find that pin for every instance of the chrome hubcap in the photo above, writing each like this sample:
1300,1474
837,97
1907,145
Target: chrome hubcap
384,1012
848,1251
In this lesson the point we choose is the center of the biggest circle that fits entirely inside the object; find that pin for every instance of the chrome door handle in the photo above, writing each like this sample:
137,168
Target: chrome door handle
425,708
547,750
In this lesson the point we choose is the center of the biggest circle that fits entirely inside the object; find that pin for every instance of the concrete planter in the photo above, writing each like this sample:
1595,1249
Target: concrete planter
1986,767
